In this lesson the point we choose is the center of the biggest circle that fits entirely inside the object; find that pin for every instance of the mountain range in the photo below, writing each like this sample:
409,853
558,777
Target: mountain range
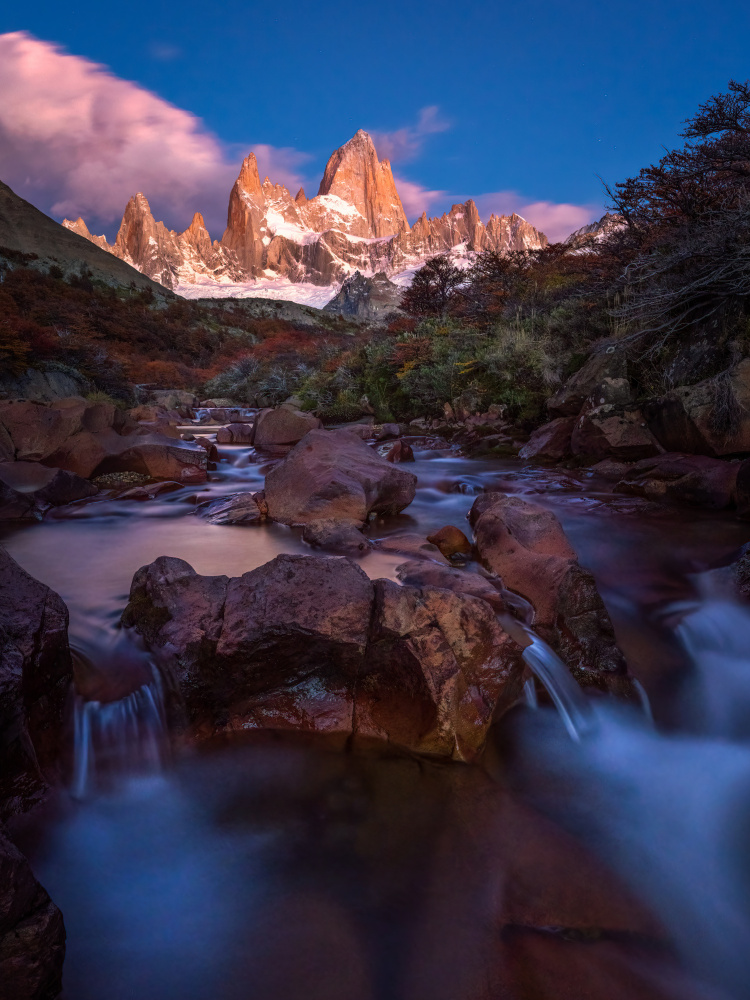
355,223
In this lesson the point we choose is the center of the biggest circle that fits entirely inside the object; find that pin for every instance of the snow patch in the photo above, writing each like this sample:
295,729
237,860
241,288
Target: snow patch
262,288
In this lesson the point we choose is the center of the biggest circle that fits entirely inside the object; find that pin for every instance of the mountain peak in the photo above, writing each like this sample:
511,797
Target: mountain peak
249,178
354,174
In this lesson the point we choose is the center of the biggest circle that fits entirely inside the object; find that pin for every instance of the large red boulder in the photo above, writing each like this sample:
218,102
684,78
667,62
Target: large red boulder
696,480
332,474
311,643
283,425
525,545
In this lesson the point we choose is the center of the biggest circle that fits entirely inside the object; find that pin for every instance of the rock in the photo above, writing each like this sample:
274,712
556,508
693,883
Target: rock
236,434
438,667
35,678
237,508
550,443
55,487
608,432
310,643
371,298
209,447
15,505
94,438
607,364
339,536
173,399
525,545
156,419
691,479
218,402
611,469
613,392
400,452
42,387
710,418
424,573
32,933
451,541
409,543
230,415
149,492
284,425
331,474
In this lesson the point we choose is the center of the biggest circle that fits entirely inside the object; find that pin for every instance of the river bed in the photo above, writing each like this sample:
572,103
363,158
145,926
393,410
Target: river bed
279,867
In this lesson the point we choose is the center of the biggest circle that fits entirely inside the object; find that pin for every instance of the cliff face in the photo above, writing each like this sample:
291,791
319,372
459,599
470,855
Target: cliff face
356,222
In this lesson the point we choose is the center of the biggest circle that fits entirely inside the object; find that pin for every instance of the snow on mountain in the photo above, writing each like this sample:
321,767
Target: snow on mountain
303,249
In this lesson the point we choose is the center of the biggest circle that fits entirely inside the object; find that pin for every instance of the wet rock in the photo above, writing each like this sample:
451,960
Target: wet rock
92,438
35,677
525,545
608,432
438,667
424,573
331,474
308,642
611,469
236,434
15,505
237,508
451,541
409,543
710,418
607,364
696,480
32,933
284,425
400,452
550,443
209,447
339,536
149,492
230,415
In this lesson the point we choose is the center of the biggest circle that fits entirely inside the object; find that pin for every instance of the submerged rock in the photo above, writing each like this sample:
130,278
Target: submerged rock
332,474
525,545
339,536
237,508
311,643
451,541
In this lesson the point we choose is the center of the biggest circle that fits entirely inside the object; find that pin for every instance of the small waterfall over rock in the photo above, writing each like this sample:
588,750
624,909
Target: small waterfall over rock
571,702
118,738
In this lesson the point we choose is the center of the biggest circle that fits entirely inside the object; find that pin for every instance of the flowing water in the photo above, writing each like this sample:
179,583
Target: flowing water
600,853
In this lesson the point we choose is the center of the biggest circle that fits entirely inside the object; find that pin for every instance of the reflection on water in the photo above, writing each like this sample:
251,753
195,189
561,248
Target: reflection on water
281,869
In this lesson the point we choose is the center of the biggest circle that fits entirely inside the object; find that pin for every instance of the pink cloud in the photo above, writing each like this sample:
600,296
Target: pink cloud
415,198
405,143
77,140
557,220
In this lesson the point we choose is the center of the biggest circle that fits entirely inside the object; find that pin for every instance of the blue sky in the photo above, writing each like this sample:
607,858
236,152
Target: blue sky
528,103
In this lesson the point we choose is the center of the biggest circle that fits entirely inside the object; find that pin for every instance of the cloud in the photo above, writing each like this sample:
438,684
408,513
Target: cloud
556,220
77,140
406,143
415,198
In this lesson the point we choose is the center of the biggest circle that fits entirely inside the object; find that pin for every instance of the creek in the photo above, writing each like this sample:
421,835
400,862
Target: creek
278,866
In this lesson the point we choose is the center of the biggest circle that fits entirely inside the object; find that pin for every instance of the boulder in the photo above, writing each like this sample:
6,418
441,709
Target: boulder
711,418
42,387
173,399
32,933
15,505
156,419
609,432
237,508
339,536
332,474
35,678
607,364
283,425
451,541
93,438
230,415
400,452
236,434
690,479
525,545
41,486
550,443
311,643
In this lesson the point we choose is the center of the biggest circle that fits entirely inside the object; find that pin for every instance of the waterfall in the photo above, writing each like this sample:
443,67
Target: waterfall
118,738
571,702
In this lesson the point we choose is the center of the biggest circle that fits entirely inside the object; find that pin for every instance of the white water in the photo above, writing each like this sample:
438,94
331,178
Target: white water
118,738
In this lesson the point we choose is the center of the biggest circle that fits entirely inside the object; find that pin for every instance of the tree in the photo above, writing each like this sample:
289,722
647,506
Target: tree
434,288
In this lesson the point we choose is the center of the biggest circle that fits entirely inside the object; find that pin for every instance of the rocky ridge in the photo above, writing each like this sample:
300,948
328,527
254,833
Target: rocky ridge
355,222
